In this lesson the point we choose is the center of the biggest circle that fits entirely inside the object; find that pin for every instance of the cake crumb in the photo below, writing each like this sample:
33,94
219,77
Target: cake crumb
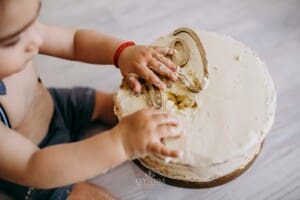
237,58
167,160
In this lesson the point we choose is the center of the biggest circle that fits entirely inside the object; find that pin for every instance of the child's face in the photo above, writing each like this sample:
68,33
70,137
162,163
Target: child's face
20,39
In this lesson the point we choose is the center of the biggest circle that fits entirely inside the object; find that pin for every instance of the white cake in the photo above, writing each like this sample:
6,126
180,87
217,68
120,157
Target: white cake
226,121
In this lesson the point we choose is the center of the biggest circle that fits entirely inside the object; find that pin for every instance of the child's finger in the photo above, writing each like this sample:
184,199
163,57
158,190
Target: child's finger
169,152
170,131
133,82
163,118
166,61
164,50
162,69
150,77
159,148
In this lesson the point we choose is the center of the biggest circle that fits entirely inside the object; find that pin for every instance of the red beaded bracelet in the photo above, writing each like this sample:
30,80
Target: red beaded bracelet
119,51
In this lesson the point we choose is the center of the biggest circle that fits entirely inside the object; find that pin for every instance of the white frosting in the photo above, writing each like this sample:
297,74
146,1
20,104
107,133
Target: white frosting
234,114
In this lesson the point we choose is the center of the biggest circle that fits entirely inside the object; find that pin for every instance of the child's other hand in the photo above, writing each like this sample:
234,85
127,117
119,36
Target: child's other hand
146,62
141,133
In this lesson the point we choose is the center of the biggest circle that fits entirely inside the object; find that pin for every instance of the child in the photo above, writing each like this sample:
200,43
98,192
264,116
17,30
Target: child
41,157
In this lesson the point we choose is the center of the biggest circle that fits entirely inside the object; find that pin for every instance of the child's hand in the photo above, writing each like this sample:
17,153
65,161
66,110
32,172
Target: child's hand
141,133
142,61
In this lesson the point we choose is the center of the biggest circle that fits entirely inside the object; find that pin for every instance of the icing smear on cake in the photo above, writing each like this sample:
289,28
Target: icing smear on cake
226,122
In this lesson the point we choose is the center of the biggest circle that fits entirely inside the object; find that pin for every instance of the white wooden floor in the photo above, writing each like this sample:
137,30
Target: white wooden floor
270,27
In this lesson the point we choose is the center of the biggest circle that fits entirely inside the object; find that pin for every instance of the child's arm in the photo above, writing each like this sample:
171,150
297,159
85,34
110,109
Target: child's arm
98,48
24,163
80,45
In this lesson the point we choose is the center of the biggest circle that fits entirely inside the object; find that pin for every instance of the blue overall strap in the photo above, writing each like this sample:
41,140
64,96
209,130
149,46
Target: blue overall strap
4,117
2,88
